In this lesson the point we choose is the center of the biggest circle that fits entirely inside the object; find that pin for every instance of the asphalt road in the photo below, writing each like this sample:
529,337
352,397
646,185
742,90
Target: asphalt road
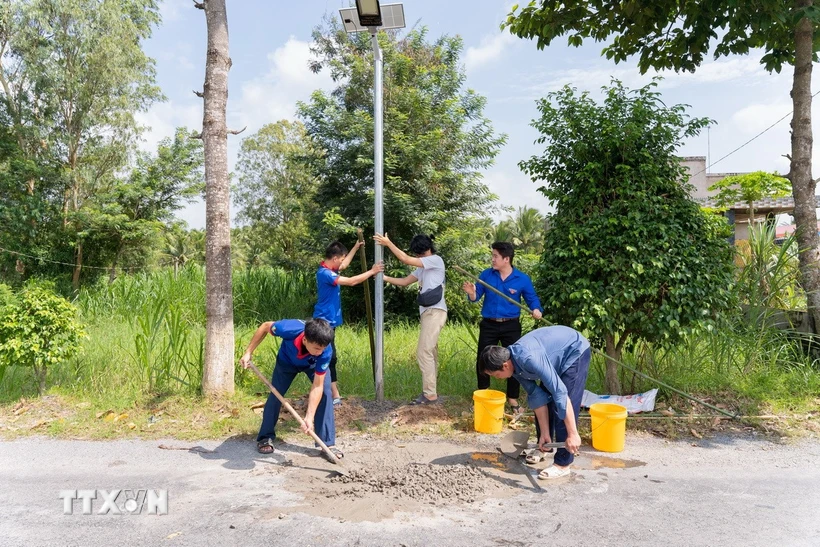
724,491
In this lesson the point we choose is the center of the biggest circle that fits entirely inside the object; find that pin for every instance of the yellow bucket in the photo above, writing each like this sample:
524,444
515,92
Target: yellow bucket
608,427
489,410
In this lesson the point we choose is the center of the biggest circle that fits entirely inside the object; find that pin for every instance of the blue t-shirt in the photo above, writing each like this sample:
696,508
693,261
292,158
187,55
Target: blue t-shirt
544,354
293,352
516,285
329,304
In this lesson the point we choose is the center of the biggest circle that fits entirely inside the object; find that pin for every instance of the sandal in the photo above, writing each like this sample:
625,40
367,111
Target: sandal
265,447
336,452
422,400
516,411
536,456
337,401
554,472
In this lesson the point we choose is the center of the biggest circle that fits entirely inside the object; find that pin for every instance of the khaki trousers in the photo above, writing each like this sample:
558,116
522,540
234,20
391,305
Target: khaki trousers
432,321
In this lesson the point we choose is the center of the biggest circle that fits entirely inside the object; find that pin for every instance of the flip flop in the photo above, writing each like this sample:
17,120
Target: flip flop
336,452
265,447
422,400
517,410
554,472
536,456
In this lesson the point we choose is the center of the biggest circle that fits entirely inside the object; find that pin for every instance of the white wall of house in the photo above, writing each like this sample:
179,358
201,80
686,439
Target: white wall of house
699,178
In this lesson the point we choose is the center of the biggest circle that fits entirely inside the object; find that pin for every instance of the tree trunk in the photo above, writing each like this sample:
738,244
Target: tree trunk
112,274
218,372
803,185
78,266
613,384
40,373
751,217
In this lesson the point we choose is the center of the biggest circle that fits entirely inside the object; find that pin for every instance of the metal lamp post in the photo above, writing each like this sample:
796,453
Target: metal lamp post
369,16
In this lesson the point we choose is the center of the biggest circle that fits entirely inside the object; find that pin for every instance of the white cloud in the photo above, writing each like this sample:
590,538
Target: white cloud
179,56
162,119
757,117
184,62
171,10
601,73
273,96
491,49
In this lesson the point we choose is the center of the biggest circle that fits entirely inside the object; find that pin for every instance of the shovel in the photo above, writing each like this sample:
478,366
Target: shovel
514,442
299,419
511,446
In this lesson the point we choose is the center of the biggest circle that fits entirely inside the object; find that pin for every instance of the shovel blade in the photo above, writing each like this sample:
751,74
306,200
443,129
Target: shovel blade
514,442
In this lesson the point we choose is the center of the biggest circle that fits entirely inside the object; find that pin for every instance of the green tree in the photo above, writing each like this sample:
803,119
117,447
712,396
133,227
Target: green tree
40,330
180,246
72,77
749,188
528,230
126,220
503,231
629,256
176,250
670,34
436,137
275,194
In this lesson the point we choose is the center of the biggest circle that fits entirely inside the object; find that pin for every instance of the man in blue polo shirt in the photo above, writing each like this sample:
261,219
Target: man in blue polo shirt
558,359
500,322
305,348
329,287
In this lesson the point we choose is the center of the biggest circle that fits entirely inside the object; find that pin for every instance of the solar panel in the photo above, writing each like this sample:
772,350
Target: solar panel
392,18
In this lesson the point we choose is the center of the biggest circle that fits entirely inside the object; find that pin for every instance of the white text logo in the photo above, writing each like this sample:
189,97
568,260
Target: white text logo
115,502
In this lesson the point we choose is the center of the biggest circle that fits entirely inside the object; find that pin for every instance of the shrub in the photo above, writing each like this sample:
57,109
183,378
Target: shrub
40,330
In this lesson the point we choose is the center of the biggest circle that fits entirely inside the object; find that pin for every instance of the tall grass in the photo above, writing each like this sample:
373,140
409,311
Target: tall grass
147,330
133,296
262,294
259,294
146,337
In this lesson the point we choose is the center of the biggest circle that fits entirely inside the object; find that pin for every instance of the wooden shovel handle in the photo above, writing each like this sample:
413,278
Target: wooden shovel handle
295,414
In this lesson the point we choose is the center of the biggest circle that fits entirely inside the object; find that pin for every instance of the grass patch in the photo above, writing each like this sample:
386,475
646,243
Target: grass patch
144,355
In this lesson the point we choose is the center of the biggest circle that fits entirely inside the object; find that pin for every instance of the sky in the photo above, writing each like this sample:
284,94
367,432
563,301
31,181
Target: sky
269,47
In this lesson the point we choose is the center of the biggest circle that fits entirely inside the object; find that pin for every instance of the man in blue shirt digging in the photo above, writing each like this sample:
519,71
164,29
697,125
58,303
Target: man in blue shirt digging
305,349
558,359
500,323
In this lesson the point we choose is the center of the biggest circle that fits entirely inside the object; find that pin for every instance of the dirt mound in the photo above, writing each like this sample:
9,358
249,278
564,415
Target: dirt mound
414,414
435,484
349,411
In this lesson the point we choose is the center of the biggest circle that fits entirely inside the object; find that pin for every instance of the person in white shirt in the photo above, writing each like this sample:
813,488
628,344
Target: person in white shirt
432,309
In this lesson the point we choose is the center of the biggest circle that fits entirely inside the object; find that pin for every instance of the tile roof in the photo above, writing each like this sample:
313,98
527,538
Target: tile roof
766,203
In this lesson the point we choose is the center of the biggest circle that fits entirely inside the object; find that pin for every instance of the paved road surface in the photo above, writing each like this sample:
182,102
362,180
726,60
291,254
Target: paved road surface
725,491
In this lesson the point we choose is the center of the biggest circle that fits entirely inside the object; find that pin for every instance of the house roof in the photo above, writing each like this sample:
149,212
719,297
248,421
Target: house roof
762,205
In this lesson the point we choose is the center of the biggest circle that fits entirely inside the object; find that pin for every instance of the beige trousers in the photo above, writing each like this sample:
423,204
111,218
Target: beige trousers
432,321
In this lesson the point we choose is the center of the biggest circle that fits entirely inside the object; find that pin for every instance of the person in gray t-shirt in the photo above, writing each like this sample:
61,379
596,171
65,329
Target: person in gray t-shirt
429,273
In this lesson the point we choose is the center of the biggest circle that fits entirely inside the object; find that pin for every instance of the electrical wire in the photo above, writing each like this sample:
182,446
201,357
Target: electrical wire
750,140
107,268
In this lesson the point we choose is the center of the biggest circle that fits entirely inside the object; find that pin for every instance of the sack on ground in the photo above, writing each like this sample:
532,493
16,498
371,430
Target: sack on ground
641,402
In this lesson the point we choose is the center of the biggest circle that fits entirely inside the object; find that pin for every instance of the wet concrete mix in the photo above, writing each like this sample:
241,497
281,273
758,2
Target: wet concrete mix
426,483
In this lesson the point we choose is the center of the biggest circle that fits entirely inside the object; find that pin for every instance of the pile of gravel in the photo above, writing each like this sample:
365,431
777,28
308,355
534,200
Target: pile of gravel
435,484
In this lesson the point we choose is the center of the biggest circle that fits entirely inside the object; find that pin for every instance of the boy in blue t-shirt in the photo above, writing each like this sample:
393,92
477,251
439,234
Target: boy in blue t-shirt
305,348
329,301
